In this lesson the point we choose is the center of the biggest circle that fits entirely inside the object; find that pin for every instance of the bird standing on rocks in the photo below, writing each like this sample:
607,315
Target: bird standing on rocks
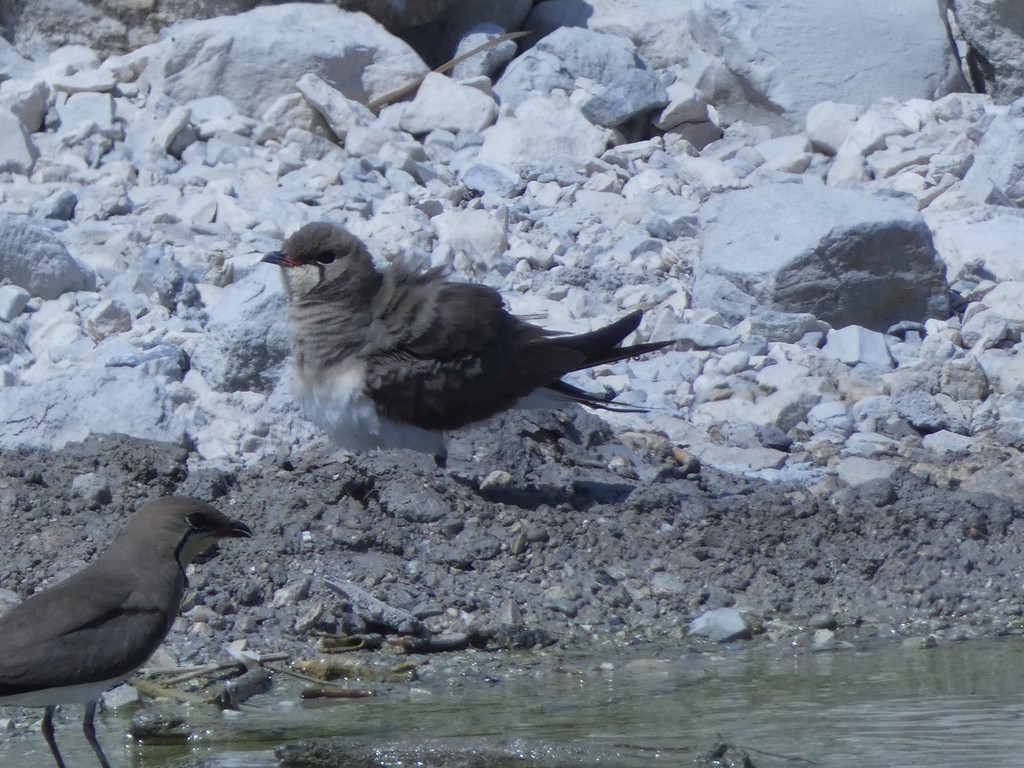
71,642
394,359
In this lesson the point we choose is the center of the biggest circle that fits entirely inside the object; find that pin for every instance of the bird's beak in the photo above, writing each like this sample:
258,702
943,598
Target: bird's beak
235,530
278,258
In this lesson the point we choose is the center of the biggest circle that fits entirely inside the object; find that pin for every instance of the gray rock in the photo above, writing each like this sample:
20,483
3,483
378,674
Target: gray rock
994,36
856,471
721,624
925,415
92,488
788,327
59,206
844,257
162,360
615,84
33,256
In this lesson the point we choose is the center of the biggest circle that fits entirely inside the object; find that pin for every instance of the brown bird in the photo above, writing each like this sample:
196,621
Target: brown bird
71,642
394,359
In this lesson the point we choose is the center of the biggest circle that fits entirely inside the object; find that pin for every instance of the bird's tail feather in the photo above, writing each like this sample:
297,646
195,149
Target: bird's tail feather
600,346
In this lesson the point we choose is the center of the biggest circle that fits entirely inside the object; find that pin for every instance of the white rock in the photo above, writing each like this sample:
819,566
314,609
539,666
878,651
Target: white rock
829,124
27,100
616,85
109,317
64,408
542,132
847,170
18,152
845,257
254,58
477,235
946,442
721,624
84,114
98,80
830,415
341,113
686,104
854,344
1007,299
771,68
985,329
997,174
985,237
855,470
441,103
167,133
32,256
13,300
487,62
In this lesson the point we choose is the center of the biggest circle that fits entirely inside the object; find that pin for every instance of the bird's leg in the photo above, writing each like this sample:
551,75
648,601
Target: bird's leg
47,729
90,733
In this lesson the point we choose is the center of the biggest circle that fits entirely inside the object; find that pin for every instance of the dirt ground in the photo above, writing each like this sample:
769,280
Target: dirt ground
543,522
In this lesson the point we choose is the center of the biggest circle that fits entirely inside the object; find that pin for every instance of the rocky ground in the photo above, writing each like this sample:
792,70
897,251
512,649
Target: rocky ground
831,450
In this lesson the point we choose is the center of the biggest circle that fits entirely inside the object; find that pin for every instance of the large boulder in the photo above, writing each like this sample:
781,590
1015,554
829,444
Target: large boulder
771,64
843,256
993,39
39,26
255,58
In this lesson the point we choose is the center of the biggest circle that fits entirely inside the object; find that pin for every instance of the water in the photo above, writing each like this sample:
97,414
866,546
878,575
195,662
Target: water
951,706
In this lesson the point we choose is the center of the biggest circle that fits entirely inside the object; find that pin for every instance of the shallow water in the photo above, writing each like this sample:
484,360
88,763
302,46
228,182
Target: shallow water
953,705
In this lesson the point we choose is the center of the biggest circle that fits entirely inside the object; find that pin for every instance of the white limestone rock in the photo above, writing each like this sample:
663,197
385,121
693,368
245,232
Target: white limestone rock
27,100
13,300
18,153
542,132
982,238
686,104
488,62
109,317
341,113
854,345
254,58
34,257
844,257
829,124
722,625
443,104
997,174
615,84
69,407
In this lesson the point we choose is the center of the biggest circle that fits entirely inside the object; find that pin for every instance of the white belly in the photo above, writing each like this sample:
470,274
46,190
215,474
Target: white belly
340,406
71,694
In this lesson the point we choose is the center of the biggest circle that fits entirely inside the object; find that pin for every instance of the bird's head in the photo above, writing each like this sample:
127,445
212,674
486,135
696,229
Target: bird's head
322,260
188,526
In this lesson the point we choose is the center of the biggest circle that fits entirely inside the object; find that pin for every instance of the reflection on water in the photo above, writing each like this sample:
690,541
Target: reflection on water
954,705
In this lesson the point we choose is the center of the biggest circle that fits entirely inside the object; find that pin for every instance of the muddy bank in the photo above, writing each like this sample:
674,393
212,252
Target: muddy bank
541,521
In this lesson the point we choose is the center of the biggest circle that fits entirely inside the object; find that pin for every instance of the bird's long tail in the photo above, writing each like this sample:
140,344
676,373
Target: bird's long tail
602,345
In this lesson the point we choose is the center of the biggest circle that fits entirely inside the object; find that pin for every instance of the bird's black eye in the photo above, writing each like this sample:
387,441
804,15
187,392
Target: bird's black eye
198,521
325,258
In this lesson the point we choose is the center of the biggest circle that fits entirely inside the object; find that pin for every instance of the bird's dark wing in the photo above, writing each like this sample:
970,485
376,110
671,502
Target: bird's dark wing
446,354
62,636
443,355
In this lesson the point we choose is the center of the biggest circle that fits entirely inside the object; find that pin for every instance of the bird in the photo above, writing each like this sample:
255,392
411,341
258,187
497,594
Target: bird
395,358
69,643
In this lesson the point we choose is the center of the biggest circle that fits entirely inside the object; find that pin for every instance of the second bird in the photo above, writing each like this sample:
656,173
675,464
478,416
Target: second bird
395,358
